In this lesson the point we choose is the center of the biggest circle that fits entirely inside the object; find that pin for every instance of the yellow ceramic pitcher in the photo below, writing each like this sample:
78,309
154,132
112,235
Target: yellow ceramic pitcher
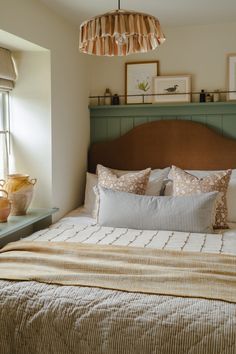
20,191
5,206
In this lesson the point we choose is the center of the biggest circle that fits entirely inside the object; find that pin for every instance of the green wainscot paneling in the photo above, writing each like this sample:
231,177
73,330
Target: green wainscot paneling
110,122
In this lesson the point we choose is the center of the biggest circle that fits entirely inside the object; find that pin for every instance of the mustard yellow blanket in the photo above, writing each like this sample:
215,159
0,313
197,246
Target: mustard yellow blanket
133,269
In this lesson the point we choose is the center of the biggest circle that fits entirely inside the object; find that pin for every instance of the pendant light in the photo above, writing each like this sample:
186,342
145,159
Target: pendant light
119,33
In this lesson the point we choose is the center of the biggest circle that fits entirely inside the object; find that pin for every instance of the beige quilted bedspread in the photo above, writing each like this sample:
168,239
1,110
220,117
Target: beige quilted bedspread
41,318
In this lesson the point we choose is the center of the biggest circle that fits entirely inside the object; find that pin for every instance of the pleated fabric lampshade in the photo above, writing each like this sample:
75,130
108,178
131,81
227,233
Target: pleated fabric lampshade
119,33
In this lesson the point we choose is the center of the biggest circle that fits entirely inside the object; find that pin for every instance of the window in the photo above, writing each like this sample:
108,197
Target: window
4,133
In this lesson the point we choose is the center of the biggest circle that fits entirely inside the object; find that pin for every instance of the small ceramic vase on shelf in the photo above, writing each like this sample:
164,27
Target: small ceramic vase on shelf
208,98
216,96
20,192
107,97
5,206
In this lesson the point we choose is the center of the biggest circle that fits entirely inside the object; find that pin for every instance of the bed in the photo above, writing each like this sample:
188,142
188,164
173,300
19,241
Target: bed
38,317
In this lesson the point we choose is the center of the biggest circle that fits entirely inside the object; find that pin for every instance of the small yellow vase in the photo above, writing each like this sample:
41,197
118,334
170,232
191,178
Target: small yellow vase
5,206
20,191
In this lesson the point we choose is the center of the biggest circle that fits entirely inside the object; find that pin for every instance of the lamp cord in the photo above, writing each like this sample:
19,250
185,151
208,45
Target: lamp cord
118,4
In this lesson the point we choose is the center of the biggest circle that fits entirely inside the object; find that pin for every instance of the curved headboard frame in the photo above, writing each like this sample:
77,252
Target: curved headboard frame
159,144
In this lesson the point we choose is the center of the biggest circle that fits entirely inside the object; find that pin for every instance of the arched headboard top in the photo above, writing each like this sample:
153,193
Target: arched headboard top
159,144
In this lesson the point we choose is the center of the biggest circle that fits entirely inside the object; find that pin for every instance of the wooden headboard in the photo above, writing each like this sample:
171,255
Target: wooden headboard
186,144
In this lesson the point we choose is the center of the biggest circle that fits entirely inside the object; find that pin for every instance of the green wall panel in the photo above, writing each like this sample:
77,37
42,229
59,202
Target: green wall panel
153,119
215,122
99,130
168,117
199,119
126,124
140,120
184,117
113,128
92,129
110,122
229,126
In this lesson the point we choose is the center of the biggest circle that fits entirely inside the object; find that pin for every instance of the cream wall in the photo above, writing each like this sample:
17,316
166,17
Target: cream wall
30,148
196,50
33,21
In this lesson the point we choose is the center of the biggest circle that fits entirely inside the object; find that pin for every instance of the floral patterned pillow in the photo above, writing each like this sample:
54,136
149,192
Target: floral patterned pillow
133,182
186,184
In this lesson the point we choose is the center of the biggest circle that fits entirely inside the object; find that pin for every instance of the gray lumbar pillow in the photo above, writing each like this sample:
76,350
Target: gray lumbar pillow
194,213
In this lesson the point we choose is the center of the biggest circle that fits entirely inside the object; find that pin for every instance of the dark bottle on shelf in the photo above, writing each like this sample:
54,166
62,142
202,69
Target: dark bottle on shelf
115,99
202,97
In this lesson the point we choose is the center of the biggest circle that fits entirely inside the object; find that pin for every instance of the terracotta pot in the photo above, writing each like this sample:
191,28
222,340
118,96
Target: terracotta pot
20,192
5,206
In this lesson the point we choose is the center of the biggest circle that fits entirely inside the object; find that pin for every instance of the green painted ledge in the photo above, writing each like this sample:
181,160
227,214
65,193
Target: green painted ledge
110,122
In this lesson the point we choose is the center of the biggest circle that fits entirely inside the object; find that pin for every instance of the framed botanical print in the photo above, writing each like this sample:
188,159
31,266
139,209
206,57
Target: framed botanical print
138,81
231,96
169,89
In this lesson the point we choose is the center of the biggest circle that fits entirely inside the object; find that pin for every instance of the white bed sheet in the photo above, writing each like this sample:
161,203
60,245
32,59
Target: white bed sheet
79,226
79,216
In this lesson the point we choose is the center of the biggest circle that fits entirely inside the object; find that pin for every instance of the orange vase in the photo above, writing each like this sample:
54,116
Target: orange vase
20,192
5,206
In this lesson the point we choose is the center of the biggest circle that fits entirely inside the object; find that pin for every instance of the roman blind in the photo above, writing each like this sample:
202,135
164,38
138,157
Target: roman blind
7,70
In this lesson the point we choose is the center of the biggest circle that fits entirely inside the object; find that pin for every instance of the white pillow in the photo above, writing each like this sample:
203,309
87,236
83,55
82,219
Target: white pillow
90,197
230,196
156,180
154,186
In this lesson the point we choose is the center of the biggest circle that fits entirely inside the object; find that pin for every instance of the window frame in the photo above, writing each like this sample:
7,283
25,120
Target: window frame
5,125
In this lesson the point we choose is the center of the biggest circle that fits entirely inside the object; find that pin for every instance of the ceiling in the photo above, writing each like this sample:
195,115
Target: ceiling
170,12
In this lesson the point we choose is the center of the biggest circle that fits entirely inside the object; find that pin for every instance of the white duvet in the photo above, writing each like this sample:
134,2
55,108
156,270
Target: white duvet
79,226
41,318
